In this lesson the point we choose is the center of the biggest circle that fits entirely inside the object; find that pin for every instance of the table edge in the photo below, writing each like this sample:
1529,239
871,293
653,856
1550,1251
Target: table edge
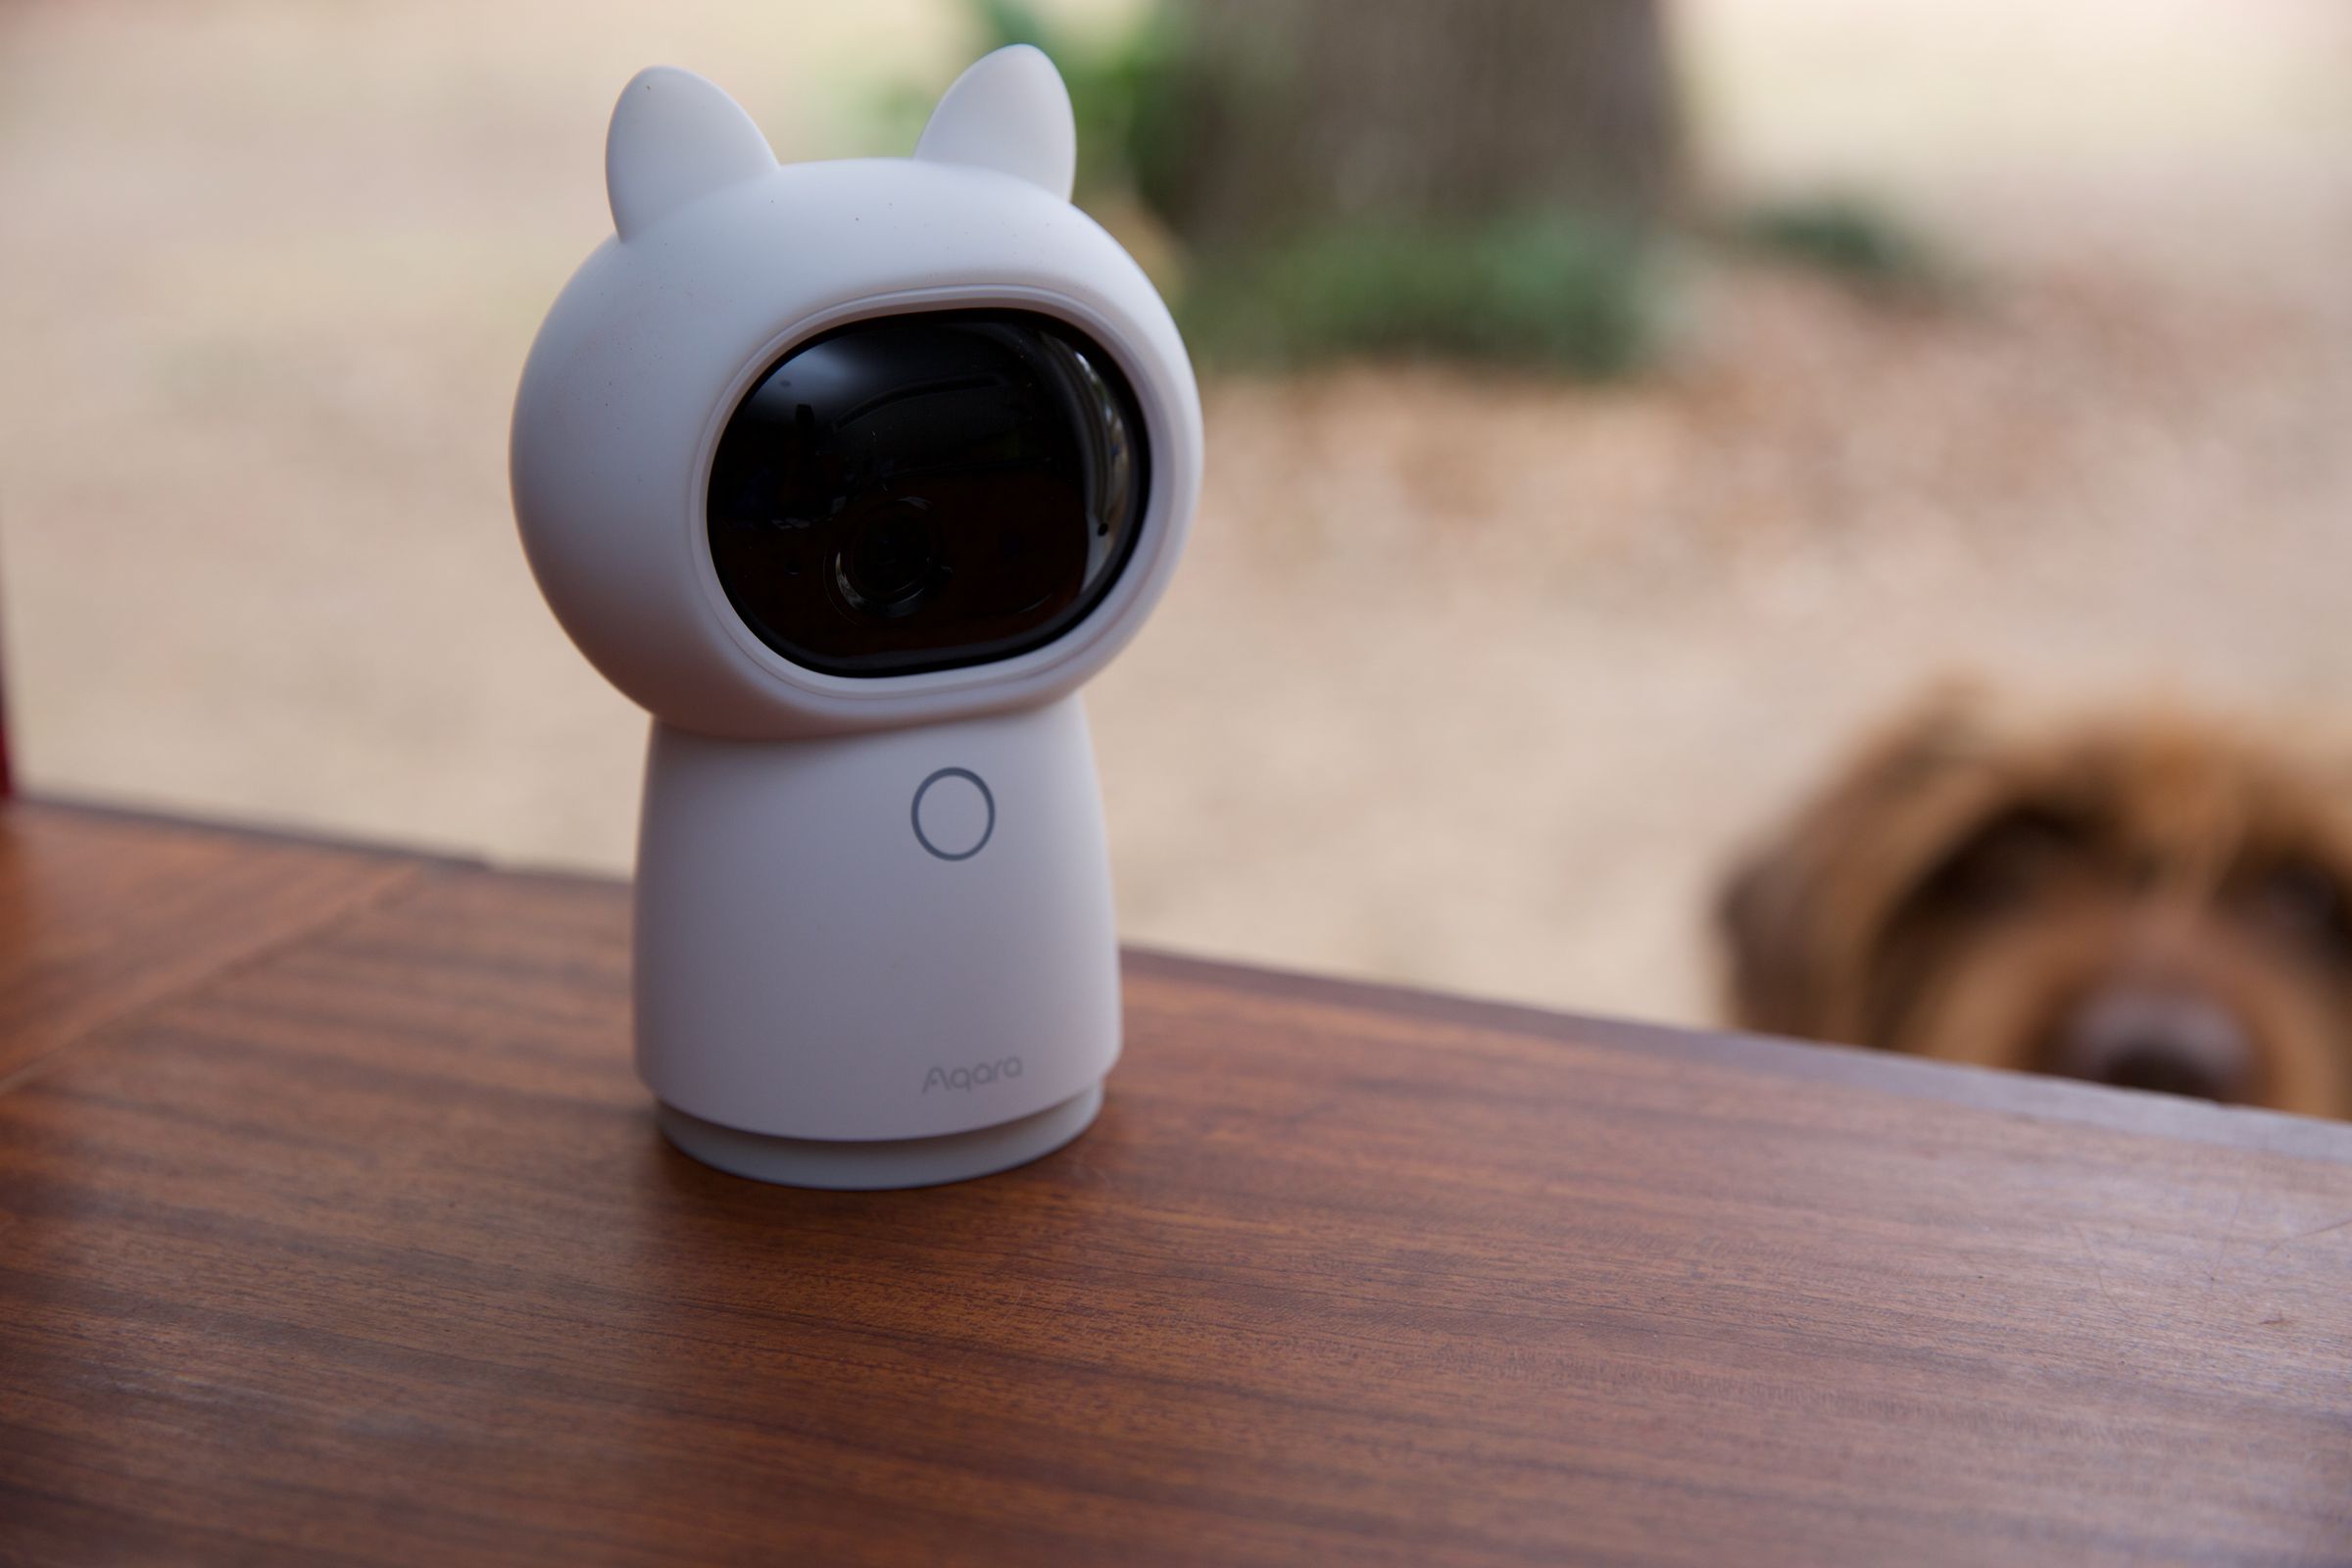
1980,1088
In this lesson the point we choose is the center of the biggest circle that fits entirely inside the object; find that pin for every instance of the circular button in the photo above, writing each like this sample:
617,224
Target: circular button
954,813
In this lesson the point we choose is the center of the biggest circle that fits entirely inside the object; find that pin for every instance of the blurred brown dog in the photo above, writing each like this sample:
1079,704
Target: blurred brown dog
2150,901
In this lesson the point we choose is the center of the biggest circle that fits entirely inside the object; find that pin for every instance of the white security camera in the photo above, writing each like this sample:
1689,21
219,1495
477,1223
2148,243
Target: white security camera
851,473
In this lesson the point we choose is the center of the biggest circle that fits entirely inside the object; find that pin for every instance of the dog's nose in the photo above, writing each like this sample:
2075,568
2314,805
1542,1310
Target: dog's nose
2175,1043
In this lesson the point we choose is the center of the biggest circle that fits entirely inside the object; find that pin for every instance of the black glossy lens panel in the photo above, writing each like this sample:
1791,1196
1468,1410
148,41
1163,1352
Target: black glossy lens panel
921,492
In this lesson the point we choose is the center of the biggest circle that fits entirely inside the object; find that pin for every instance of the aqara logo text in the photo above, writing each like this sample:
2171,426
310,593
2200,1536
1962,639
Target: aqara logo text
972,1077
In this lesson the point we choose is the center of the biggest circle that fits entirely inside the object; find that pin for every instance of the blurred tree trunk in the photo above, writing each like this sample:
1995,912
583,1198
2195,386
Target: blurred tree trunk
1286,114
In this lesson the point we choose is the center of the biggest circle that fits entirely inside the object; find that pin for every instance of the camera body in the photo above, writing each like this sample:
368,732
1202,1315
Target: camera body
851,473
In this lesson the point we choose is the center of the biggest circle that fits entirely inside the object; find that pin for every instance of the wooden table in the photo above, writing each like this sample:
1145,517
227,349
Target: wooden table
333,1229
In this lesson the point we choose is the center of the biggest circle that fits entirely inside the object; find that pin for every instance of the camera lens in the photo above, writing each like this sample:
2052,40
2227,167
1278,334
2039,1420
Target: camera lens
891,562
924,491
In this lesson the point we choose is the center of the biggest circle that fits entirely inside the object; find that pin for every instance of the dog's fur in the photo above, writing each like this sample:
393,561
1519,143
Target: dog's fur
2149,899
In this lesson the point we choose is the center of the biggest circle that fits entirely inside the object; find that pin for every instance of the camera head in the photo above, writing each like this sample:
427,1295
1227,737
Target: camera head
822,448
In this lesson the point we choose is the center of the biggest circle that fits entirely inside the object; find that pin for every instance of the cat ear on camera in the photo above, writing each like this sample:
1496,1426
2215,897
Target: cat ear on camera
675,136
1009,112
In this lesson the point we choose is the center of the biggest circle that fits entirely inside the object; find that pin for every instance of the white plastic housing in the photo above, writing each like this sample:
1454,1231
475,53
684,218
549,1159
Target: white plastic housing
823,995
856,965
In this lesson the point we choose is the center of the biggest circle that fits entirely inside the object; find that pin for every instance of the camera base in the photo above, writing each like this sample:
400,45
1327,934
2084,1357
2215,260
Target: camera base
875,1164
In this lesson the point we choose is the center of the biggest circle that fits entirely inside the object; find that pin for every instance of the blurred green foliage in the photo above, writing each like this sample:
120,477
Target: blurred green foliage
1545,290
1847,237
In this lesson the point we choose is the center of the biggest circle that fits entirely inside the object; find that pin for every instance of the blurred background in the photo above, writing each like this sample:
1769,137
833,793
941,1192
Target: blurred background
1612,407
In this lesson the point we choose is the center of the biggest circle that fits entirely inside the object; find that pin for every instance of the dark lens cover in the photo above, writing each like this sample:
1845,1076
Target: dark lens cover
921,492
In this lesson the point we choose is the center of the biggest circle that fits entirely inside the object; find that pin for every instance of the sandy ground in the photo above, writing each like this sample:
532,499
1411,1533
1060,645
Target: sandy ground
1469,681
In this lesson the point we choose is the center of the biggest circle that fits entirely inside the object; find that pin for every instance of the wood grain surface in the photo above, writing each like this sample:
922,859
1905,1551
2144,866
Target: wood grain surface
359,1248
101,912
